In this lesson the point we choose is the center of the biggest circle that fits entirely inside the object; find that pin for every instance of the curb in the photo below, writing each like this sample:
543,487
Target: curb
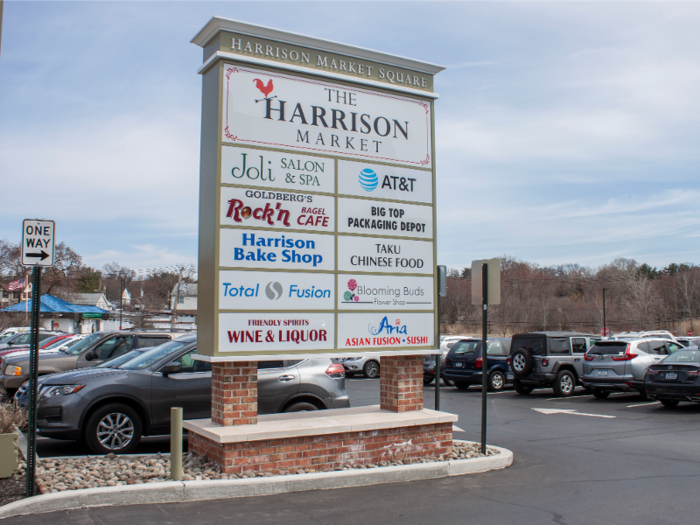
187,491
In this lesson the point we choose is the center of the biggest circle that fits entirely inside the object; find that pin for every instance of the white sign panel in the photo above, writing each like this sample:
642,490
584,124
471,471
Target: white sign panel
385,218
241,290
289,331
366,254
276,209
384,292
385,330
384,182
280,111
38,242
272,169
277,250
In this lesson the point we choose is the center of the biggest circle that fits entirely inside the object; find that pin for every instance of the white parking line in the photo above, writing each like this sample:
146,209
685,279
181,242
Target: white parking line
455,428
496,393
643,404
563,398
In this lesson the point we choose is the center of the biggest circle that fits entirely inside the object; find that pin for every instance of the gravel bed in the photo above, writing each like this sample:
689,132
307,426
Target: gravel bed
59,474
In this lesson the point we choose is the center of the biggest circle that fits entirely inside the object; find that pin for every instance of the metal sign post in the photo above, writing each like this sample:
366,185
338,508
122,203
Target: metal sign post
486,289
484,352
32,391
37,252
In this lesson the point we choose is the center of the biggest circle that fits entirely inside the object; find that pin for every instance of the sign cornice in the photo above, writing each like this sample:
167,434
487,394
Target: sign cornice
217,24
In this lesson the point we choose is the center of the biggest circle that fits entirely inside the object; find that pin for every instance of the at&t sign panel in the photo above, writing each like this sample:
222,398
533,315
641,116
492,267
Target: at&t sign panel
317,198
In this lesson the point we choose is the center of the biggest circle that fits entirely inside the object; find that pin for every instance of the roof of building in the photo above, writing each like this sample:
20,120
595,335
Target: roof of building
90,299
186,289
49,303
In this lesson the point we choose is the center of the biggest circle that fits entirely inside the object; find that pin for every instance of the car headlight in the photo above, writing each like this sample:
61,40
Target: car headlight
59,390
13,371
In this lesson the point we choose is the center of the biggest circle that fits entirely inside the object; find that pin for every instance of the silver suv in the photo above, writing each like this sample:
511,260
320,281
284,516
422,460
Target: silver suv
549,359
621,366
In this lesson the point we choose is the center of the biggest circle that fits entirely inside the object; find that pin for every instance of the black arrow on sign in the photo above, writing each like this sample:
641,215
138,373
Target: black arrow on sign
43,255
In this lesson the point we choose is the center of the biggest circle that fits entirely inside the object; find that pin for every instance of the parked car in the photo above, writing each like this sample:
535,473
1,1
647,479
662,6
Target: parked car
654,334
92,350
675,378
368,366
621,366
549,359
111,408
446,342
689,340
463,365
22,339
9,332
44,345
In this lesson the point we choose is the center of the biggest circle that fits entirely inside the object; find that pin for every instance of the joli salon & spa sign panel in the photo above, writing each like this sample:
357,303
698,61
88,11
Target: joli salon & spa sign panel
317,198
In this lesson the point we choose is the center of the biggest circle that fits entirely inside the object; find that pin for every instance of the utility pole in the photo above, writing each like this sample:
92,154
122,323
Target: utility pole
177,298
121,297
1,5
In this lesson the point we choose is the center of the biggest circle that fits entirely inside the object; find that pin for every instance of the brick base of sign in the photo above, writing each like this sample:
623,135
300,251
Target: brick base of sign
401,383
234,393
326,452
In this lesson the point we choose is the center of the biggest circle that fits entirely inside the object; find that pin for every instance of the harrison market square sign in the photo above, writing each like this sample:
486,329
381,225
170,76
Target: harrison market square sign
317,198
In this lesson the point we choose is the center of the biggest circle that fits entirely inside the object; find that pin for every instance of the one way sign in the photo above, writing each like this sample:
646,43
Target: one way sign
38,242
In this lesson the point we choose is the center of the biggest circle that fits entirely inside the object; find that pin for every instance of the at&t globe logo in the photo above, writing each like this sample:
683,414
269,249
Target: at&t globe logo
368,179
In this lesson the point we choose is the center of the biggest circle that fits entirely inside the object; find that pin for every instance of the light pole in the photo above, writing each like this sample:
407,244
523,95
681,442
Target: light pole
605,326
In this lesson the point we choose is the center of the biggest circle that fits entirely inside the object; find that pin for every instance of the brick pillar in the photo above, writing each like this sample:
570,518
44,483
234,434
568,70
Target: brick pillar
234,393
401,383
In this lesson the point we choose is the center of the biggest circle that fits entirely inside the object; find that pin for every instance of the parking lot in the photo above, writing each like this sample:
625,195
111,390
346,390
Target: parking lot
578,460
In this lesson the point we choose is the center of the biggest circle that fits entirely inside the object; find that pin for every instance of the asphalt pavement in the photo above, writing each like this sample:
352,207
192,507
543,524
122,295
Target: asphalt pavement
578,460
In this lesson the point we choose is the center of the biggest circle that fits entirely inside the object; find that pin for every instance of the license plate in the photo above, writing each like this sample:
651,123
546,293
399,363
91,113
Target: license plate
459,365
602,372
510,377
671,375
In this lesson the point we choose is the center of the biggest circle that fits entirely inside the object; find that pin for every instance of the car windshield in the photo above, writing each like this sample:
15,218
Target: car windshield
683,356
6,336
116,362
84,344
466,347
153,356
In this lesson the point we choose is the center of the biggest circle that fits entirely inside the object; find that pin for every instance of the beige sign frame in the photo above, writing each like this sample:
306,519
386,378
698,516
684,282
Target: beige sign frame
216,38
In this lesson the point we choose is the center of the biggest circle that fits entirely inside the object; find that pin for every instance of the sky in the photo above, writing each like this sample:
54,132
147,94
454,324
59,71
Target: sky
565,132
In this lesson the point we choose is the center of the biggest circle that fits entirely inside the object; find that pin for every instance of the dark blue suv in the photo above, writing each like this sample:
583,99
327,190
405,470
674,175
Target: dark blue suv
463,363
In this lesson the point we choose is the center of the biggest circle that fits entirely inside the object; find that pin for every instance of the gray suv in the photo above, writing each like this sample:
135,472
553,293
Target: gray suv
621,365
90,351
112,405
549,359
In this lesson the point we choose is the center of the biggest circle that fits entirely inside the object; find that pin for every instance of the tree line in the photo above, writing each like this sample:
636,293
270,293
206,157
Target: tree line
150,291
570,297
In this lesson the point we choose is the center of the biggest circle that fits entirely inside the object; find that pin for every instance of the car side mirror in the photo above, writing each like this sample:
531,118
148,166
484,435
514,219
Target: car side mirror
90,356
172,367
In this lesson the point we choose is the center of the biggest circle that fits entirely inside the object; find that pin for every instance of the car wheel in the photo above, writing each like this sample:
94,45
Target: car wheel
113,428
564,384
521,389
600,394
669,403
447,382
371,369
462,386
521,362
427,381
496,381
302,406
